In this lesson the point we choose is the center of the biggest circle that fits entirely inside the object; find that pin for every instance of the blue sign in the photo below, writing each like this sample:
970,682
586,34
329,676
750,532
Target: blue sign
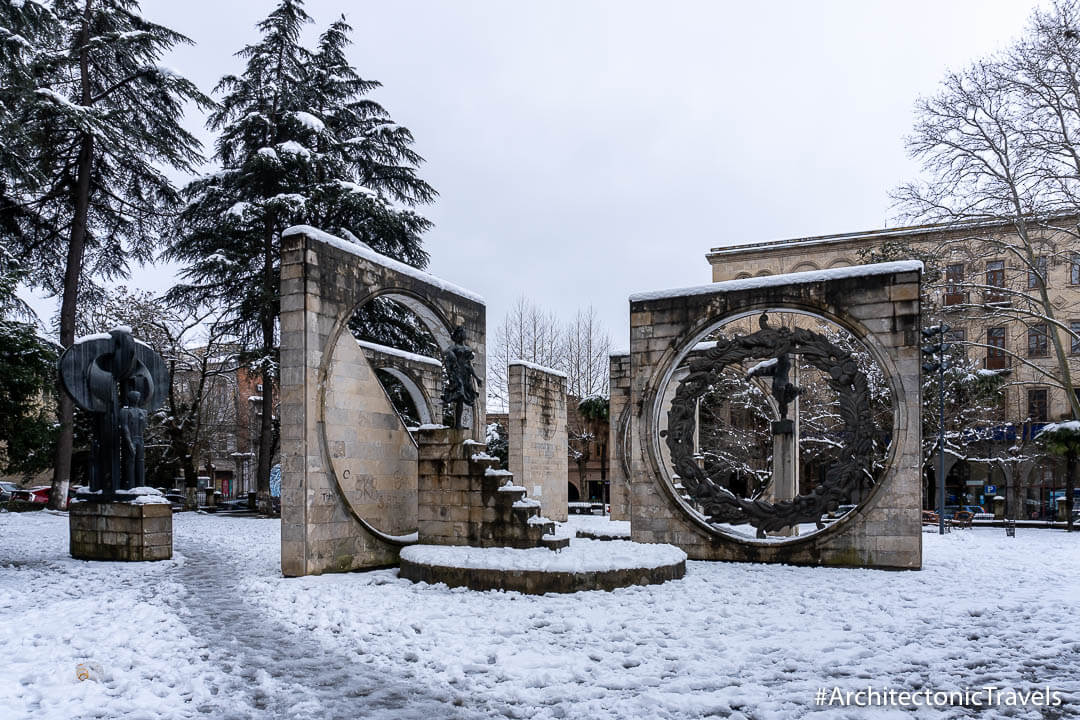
991,489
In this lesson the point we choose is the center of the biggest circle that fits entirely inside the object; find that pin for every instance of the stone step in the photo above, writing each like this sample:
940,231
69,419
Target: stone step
508,494
551,542
468,450
525,508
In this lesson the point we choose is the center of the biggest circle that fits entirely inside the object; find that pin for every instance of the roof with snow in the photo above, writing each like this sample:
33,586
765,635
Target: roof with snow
877,234
799,278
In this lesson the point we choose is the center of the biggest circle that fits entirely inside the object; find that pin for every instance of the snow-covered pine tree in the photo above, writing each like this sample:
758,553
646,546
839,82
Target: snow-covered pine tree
27,363
103,125
28,32
376,206
298,144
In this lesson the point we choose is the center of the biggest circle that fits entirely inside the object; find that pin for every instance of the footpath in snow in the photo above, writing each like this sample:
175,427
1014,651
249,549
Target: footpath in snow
217,632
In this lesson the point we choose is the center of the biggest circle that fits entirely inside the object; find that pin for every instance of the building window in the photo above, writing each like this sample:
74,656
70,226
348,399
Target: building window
1037,407
996,358
1038,271
258,387
1074,269
1074,328
995,278
954,278
956,337
1038,341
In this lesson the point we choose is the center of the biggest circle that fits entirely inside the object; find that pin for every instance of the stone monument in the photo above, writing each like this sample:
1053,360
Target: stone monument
675,500
118,380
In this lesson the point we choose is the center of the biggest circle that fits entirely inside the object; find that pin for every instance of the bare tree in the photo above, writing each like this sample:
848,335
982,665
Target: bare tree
201,407
586,359
525,333
997,147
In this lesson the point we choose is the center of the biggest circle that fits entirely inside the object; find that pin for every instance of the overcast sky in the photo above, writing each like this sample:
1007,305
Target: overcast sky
584,151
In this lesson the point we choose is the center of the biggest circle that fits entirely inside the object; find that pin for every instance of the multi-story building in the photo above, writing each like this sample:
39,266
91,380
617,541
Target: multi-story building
230,419
980,294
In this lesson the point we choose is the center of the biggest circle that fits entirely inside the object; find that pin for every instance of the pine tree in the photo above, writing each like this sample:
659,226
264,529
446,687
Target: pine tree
298,144
28,31
103,123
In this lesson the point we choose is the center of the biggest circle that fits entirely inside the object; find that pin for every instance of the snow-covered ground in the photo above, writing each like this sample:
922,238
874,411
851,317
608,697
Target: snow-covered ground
217,632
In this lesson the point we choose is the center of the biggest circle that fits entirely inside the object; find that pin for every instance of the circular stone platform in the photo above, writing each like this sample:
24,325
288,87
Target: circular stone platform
585,565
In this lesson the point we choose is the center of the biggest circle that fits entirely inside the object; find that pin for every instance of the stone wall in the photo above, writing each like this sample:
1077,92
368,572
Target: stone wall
880,305
465,499
421,376
618,435
348,497
538,445
120,531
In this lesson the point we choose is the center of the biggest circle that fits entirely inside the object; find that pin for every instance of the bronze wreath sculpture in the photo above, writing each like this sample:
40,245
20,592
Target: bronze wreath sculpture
842,480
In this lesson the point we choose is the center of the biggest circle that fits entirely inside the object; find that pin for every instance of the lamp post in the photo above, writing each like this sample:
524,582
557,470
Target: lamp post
936,360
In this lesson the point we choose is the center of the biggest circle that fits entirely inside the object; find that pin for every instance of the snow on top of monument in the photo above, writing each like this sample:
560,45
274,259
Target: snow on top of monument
387,262
799,278
534,366
581,556
621,352
761,365
404,354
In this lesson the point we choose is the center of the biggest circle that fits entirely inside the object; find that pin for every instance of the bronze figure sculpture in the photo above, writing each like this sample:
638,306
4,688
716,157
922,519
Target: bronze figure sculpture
117,379
461,380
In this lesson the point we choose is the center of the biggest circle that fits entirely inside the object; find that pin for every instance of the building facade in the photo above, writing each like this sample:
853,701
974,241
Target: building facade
981,290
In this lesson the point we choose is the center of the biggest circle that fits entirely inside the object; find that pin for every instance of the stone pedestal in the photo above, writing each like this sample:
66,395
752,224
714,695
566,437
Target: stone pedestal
783,473
464,499
120,531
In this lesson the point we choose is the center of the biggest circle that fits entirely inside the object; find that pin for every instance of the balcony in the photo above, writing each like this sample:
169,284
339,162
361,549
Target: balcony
991,297
955,298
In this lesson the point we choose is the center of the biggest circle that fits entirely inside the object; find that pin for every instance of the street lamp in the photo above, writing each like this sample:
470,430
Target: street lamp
936,361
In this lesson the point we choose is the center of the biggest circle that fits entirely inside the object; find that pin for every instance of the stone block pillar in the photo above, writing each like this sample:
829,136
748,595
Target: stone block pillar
538,444
120,531
783,467
464,499
618,435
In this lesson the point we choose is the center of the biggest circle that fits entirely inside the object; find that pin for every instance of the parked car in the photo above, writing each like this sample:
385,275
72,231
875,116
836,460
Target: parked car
176,500
7,490
39,494
236,505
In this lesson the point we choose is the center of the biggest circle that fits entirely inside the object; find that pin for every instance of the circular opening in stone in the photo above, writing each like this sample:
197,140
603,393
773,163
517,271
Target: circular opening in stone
394,339
773,431
383,378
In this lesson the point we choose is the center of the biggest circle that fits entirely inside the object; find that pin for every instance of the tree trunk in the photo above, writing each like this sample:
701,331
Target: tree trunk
191,475
266,425
266,436
1070,484
58,496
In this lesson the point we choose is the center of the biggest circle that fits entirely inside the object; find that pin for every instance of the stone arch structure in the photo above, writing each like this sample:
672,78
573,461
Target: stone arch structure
763,273
879,305
421,376
349,466
841,262
805,266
